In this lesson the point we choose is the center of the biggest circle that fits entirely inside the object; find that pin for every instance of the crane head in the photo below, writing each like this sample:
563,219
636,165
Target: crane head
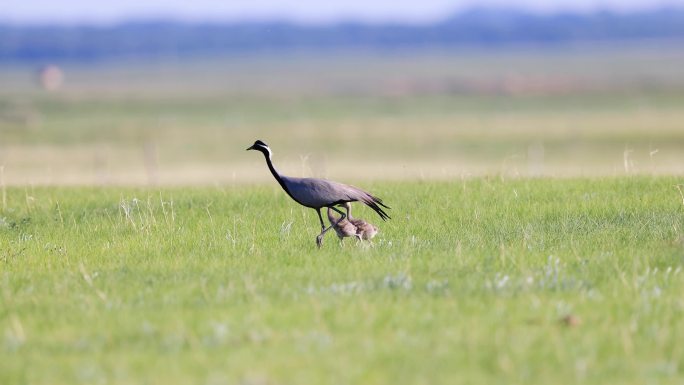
259,146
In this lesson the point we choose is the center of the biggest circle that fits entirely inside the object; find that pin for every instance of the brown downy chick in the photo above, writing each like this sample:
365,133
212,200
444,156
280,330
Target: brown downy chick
343,227
364,230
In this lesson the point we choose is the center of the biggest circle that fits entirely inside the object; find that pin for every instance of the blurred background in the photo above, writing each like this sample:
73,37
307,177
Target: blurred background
172,92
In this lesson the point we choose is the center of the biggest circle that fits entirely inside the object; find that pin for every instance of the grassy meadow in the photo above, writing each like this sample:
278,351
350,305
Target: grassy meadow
487,280
536,235
594,111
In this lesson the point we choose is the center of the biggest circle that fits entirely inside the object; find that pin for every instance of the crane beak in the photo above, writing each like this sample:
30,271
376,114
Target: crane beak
250,148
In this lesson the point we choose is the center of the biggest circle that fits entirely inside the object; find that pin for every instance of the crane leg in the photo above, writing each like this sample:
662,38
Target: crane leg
341,213
319,238
336,222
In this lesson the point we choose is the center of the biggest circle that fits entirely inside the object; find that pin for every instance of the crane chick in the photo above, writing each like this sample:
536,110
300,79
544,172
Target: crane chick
364,229
343,228
350,226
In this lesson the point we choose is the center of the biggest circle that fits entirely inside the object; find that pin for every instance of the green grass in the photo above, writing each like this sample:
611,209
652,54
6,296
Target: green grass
468,283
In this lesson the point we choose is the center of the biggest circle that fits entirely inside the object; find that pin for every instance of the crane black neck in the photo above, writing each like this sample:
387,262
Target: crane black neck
276,174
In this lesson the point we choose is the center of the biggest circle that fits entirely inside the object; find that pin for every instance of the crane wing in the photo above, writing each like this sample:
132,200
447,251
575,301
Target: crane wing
317,193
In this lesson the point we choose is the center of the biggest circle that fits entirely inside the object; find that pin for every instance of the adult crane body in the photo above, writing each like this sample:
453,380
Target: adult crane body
317,193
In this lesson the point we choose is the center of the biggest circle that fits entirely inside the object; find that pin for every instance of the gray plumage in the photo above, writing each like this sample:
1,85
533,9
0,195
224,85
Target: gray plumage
318,193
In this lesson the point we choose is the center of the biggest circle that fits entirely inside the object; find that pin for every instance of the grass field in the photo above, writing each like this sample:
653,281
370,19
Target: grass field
538,208
486,280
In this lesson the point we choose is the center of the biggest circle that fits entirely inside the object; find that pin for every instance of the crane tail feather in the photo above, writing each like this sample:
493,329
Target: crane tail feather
375,203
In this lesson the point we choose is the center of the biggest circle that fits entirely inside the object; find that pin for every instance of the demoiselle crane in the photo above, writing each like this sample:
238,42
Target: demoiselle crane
317,193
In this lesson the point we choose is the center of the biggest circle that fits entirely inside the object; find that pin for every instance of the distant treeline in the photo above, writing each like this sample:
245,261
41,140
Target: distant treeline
473,27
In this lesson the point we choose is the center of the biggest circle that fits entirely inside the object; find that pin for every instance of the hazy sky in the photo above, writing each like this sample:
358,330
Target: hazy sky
312,11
